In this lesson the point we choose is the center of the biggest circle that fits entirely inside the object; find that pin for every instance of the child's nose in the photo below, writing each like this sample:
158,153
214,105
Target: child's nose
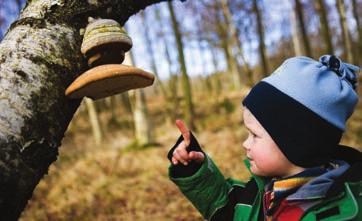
246,144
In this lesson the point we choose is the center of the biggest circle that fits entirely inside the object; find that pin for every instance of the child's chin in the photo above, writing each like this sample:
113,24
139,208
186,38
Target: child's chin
257,172
254,170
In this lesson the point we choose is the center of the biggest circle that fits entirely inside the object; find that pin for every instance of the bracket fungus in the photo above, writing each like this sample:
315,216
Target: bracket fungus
104,46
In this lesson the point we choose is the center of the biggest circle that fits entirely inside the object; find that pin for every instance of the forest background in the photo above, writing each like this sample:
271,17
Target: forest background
205,54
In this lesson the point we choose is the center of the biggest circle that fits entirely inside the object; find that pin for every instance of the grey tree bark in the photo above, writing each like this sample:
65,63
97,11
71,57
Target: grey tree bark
39,57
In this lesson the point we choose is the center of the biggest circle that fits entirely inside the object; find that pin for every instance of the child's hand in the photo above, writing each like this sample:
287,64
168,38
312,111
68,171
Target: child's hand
180,154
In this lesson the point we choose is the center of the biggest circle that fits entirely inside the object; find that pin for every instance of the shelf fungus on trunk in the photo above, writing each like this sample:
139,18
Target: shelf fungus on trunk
104,46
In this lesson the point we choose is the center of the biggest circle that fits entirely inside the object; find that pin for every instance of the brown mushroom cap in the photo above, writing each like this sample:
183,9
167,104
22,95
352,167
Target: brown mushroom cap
107,80
105,33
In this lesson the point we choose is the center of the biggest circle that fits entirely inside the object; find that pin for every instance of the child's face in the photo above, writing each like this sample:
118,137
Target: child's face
265,157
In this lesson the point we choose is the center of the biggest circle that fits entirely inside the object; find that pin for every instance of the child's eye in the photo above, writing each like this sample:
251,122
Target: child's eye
252,134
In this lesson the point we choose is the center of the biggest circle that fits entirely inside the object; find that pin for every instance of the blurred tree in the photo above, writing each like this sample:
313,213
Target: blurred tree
324,25
298,7
359,31
202,52
232,39
226,45
234,32
172,104
144,135
126,103
262,48
94,120
39,57
295,34
113,105
186,88
151,55
345,32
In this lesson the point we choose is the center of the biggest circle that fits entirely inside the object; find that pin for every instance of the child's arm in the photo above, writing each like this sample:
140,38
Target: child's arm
201,181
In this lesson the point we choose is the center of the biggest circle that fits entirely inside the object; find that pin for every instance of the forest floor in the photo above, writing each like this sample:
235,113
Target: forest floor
113,182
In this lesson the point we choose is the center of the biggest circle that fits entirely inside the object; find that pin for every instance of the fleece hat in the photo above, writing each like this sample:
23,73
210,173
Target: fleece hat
304,106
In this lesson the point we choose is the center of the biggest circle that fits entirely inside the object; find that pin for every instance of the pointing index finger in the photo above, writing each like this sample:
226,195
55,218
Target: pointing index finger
184,131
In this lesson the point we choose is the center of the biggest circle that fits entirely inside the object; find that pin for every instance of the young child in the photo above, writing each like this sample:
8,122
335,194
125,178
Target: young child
295,118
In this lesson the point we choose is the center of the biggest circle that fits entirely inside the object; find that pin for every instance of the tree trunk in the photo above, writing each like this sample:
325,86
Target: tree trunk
215,63
324,25
143,130
172,102
359,29
230,37
226,46
152,55
189,109
248,73
94,120
126,102
345,33
302,29
295,34
262,49
39,57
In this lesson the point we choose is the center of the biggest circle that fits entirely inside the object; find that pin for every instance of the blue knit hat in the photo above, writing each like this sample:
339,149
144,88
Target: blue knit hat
304,106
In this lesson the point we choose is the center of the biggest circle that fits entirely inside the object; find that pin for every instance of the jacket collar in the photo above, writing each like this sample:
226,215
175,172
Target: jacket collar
353,174
318,187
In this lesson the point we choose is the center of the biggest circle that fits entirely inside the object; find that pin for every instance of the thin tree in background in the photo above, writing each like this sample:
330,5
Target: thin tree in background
248,73
172,102
206,77
226,45
262,48
345,32
230,31
151,55
189,109
359,30
298,7
143,131
324,25
94,120
295,34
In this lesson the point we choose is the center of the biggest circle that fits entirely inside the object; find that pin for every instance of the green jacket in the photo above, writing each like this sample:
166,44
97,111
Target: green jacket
220,199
